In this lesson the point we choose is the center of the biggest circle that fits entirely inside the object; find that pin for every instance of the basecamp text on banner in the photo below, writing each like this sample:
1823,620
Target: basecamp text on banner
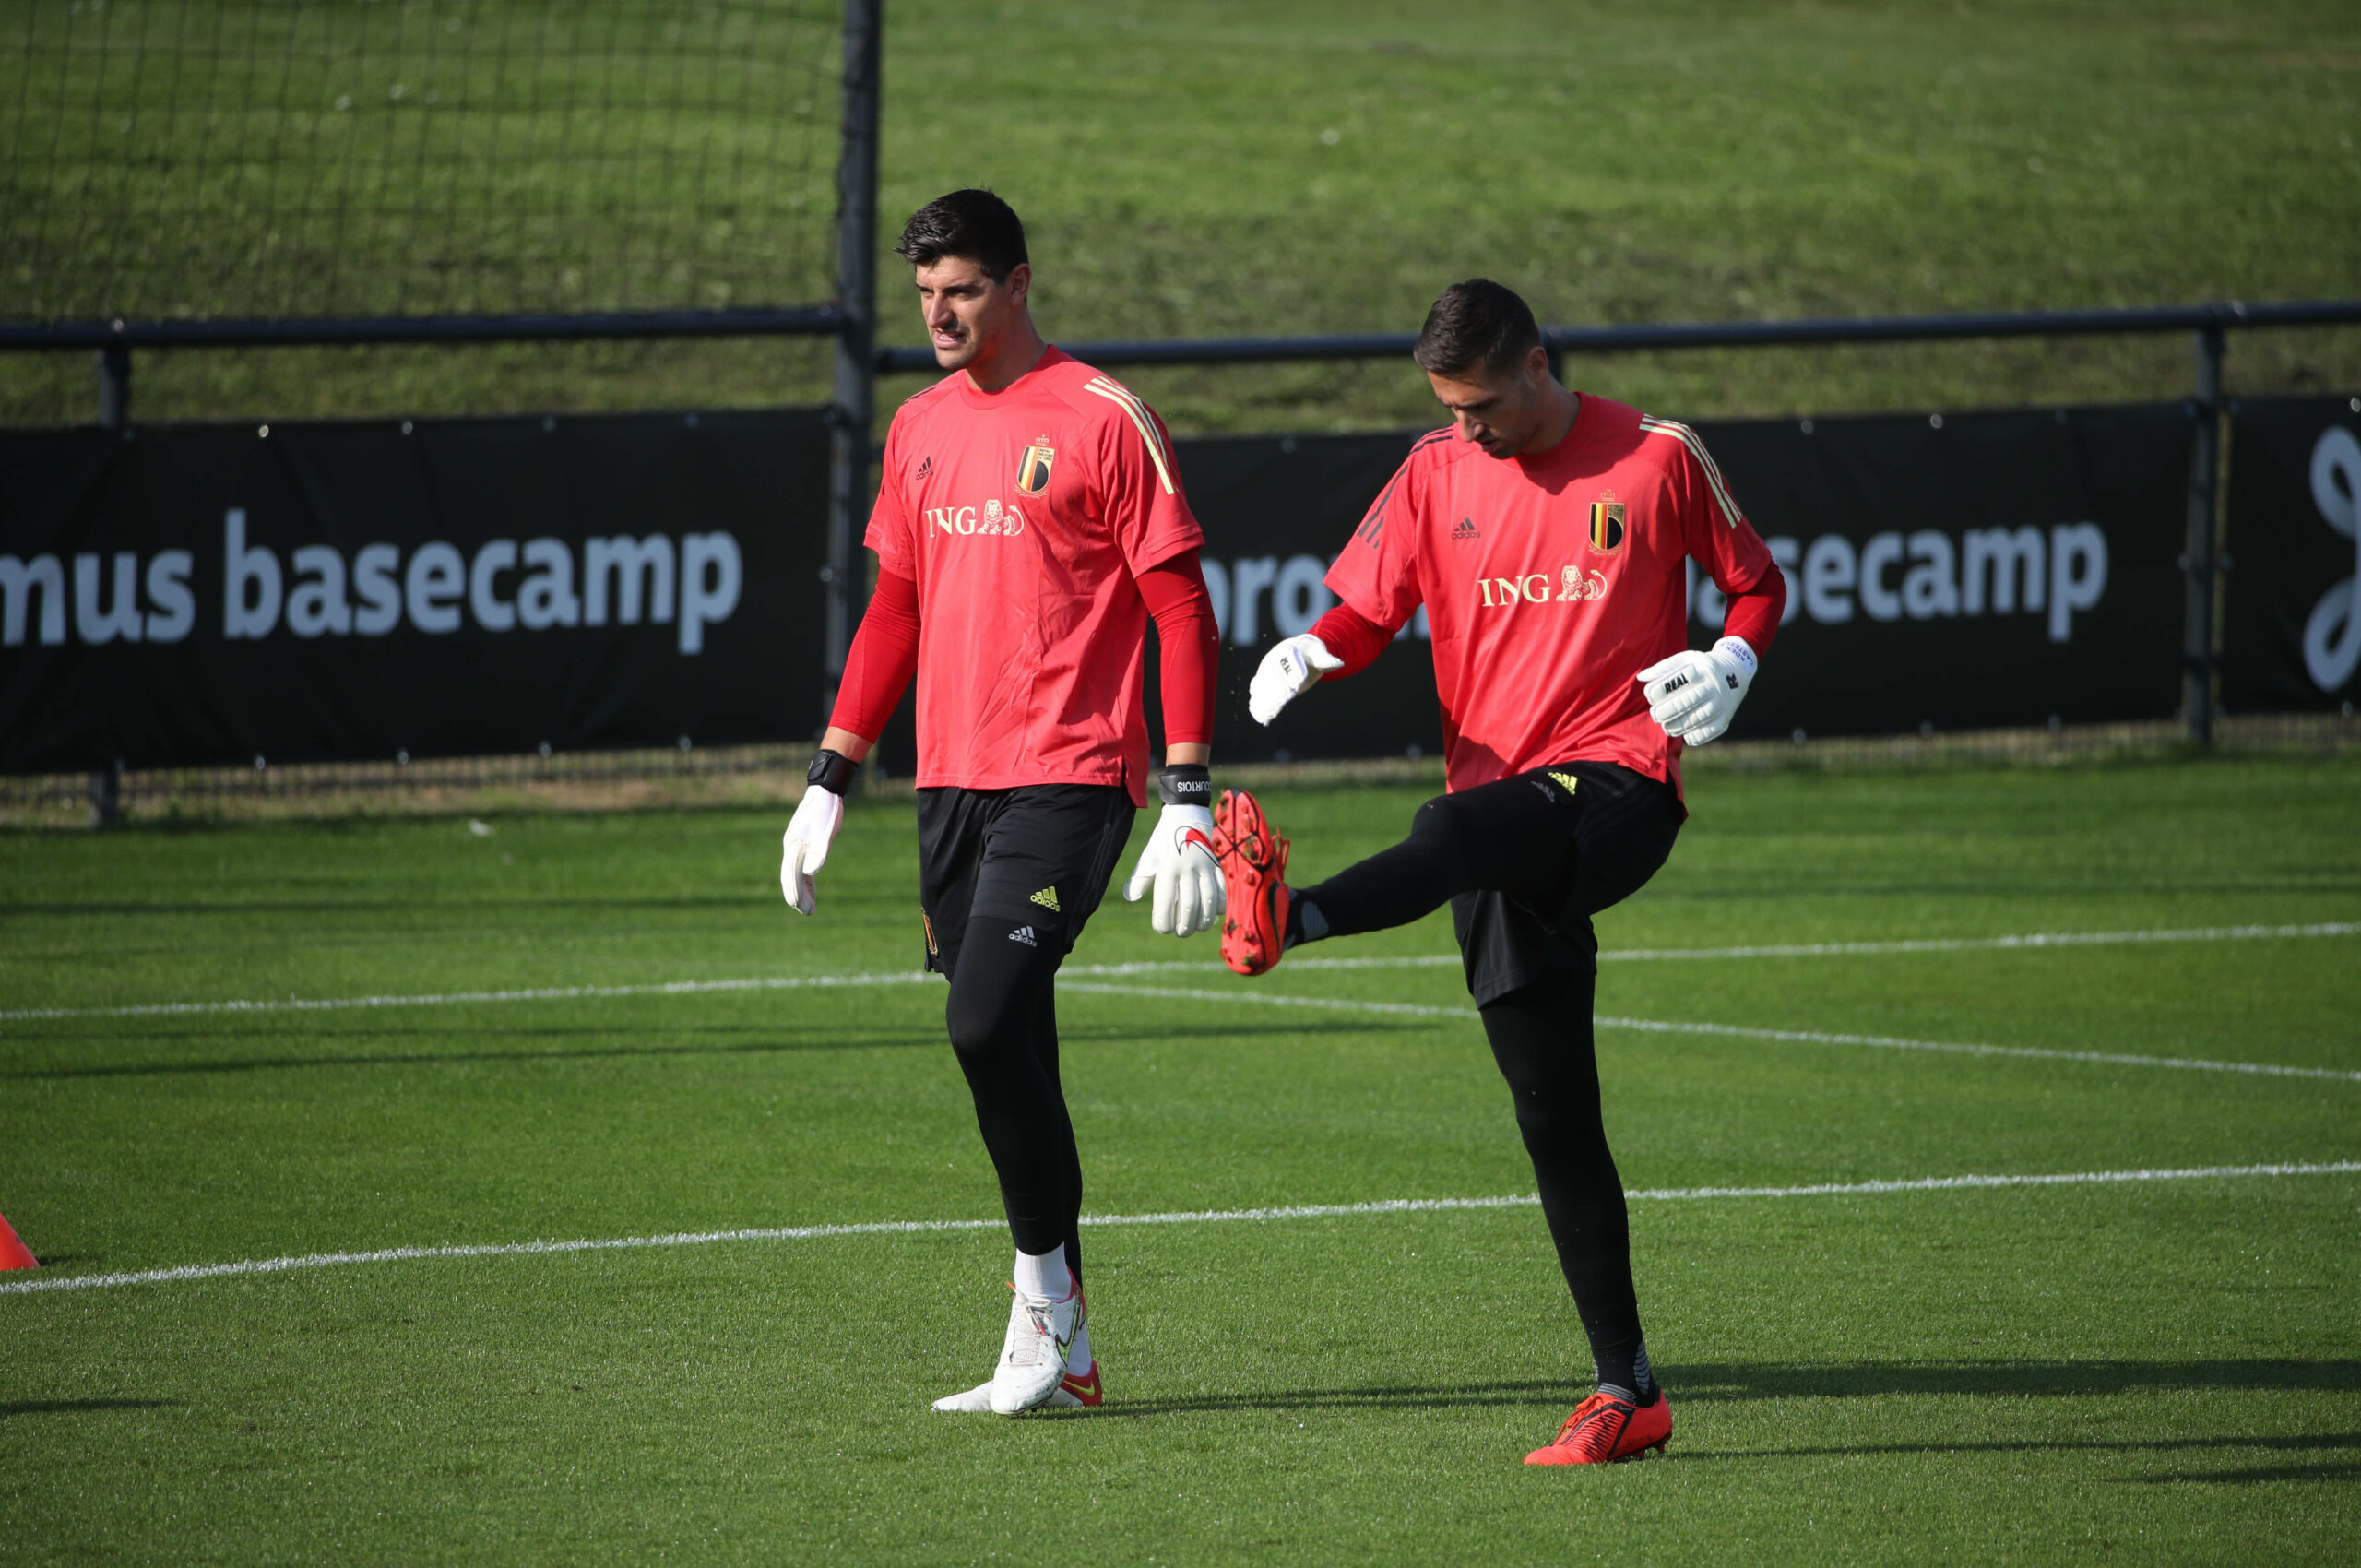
190,595
1961,570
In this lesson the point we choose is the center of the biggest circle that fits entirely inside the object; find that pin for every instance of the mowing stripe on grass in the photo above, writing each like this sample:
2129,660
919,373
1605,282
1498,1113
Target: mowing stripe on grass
1176,1216
1419,961
1741,1031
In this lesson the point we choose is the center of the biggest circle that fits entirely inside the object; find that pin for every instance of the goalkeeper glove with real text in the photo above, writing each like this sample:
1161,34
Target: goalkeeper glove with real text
1177,865
1286,673
1694,696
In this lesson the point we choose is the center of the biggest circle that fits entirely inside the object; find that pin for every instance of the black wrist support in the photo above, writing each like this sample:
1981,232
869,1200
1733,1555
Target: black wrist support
833,771
1186,784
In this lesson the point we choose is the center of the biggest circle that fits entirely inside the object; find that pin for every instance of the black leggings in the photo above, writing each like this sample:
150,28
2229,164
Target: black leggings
1511,837
1004,1020
1528,861
1541,1038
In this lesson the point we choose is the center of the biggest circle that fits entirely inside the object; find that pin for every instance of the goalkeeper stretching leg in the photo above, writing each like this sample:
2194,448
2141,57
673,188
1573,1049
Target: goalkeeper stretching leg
1507,837
1525,861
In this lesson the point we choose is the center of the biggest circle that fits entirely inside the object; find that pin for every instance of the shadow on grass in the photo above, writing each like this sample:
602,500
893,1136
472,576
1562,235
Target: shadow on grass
70,1406
1711,1383
1289,1028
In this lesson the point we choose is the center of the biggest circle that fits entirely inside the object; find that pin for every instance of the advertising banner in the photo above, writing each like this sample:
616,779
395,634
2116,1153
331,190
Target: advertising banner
2291,615
1959,571
214,594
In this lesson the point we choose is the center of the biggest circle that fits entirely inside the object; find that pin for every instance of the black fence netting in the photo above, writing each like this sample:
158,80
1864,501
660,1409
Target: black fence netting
250,159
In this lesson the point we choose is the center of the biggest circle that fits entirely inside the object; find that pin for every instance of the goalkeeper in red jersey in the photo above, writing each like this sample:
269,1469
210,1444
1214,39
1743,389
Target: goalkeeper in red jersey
1546,532
1029,524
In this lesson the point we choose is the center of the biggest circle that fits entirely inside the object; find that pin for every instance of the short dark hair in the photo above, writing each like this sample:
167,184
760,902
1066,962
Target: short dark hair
974,224
1474,324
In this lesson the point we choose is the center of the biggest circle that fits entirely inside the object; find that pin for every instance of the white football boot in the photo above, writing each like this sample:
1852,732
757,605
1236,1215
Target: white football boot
1072,1393
1033,1355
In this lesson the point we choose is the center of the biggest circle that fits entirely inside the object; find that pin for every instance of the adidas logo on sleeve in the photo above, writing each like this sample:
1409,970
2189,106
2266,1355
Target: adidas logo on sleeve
1025,934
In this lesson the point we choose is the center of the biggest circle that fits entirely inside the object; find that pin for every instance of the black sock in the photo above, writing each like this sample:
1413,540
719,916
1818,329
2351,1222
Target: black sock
1623,1371
1305,922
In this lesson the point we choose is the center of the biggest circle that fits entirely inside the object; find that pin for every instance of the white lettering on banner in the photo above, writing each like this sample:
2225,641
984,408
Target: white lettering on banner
1924,575
711,574
2004,557
317,606
175,615
437,575
1301,598
95,626
1883,550
2332,633
1828,569
1299,592
246,614
374,577
492,612
1247,578
643,569
18,582
503,587
2077,575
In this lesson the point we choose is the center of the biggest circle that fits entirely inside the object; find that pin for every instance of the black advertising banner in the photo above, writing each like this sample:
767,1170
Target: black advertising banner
2291,615
1965,571
209,594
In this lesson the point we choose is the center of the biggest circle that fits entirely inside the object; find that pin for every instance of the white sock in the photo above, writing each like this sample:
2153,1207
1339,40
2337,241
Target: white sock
1044,1277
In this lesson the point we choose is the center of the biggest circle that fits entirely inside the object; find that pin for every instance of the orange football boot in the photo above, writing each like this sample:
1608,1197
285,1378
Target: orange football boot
1253,872
1605,1430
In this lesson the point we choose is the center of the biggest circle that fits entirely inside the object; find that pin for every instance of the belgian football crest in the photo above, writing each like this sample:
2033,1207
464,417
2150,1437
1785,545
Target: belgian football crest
1033,468
1607,524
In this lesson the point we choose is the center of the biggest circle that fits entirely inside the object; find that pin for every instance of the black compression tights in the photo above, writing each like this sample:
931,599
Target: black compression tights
1541,1038
1003,1021
1503,837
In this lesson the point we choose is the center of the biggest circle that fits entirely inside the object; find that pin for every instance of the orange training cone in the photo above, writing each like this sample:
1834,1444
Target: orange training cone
13,1252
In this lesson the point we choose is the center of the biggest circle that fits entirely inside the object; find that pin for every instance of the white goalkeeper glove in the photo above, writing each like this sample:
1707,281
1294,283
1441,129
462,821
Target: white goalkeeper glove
1177,865
804,848
1287,671
1694,696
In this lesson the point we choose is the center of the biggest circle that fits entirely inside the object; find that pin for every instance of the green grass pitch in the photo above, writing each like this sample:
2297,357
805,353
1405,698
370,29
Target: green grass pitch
2152,1370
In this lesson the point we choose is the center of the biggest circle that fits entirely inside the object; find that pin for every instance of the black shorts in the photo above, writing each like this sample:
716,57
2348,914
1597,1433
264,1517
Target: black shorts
1040,855
1623,824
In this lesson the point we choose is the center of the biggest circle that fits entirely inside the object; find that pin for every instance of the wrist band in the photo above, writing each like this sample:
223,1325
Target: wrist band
1186,784
832,771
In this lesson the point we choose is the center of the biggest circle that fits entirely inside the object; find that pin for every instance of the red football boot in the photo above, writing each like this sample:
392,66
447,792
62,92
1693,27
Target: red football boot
1254,872
1081,1390
1605,1430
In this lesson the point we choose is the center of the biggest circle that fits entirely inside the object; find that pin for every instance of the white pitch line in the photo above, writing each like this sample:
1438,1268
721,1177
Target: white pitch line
2032,940
1178,1217
1804,1037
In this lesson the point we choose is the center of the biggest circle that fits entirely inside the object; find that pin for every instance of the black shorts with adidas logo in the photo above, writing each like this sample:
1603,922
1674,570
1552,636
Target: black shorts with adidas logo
1039,856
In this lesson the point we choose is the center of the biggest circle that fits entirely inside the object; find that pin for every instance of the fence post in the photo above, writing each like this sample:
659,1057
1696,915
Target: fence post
114,386
2199,561
856,358
114,412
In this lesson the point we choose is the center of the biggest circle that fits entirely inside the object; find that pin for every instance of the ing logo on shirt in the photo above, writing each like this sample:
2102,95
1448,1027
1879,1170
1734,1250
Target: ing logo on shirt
1575,586
1033,468
1607,524
965,520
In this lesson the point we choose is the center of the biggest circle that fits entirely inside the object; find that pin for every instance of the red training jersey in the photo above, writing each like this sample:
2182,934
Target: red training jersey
1024,516
1550,581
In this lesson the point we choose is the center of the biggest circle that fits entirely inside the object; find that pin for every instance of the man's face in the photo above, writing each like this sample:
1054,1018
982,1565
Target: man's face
1500,412
967,315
